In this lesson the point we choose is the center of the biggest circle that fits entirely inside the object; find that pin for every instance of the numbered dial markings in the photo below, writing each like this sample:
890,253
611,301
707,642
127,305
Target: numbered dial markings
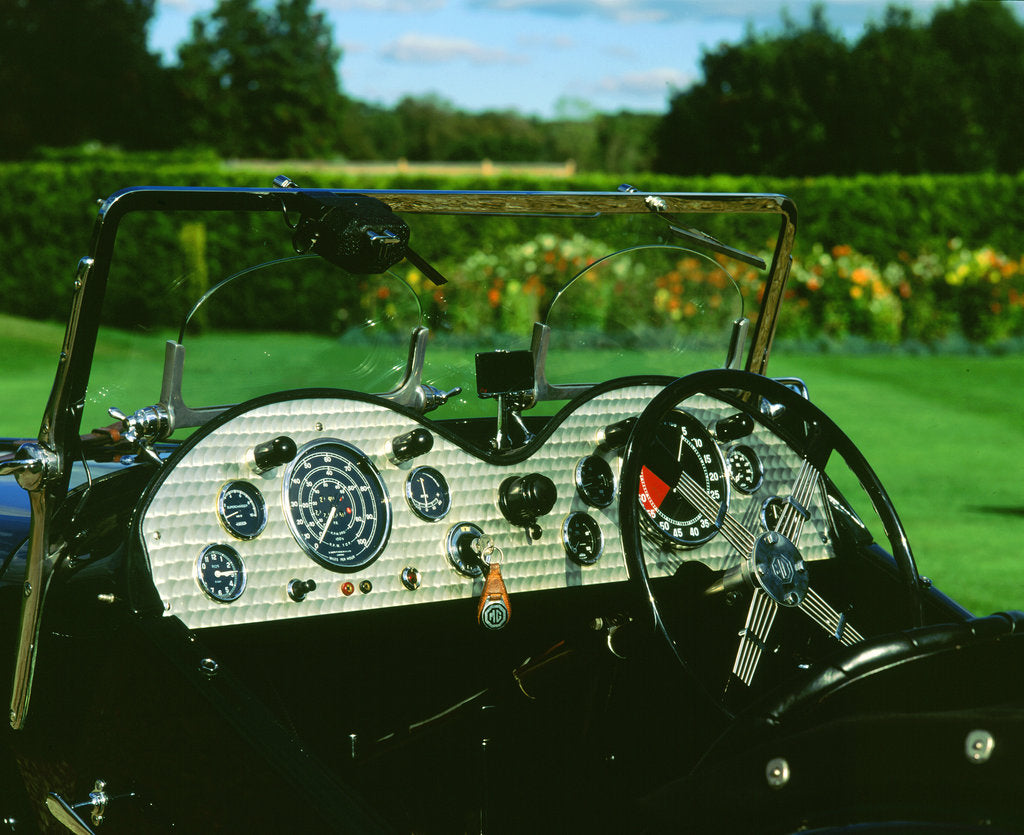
242,510
745,470
595,481
582,538
683,444
220,573
337,506
428,495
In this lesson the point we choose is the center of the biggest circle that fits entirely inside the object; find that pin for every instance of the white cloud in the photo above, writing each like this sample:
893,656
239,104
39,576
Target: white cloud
646,83
415,48
758,12
383,6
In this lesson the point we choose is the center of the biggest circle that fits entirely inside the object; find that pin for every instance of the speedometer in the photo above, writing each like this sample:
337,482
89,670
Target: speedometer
687,512
337,506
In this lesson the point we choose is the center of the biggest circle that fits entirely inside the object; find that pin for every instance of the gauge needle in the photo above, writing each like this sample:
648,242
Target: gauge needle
231,572
327,524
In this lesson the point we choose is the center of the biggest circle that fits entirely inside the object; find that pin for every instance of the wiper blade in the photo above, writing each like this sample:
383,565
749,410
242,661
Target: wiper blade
695,236
715,245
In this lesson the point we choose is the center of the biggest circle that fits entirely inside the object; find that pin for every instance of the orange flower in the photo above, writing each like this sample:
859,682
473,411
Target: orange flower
856,292
814,284
494,296
383,292
839,250
861,275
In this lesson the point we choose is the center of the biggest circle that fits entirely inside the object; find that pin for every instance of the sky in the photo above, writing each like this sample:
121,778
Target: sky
540,57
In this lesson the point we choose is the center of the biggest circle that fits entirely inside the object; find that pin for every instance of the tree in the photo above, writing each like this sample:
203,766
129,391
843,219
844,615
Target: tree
73,71
259,82
908,96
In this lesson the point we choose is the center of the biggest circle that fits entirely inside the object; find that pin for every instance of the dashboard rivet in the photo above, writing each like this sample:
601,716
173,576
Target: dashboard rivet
318,426
777,772
347,588
366,587
978,746
209,666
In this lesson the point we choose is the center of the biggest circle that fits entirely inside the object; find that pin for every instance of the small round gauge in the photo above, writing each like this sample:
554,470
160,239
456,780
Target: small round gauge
220,573
582,538
242,510
427,492
337,506
683,445
771,512
745,470
595,481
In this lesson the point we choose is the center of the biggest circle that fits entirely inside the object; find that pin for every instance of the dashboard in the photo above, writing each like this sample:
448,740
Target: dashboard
298,506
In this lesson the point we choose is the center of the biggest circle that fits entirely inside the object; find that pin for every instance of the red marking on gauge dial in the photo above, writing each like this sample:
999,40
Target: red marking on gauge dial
652,491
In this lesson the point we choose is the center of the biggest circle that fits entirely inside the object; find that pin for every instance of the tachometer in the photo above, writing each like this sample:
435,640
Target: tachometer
745,469
337,505
683,445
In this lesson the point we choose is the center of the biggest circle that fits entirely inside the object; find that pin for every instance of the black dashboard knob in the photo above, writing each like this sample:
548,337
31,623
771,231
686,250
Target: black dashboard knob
273,453
408,446
616,434
523,499
298,589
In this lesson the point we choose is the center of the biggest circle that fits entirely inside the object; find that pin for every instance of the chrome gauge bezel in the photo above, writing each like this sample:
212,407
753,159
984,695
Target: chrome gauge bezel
355,468
206,574
570,543
584,479
756,469
257,503
427,511
700,449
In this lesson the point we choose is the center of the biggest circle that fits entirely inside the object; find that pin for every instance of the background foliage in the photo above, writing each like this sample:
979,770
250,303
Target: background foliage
887,258
260,78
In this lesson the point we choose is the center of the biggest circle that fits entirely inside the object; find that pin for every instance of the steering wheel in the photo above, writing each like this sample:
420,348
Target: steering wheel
766,557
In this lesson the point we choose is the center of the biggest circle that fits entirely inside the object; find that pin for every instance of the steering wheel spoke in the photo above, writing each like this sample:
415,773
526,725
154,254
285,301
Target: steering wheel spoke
829,618
754,636
774,569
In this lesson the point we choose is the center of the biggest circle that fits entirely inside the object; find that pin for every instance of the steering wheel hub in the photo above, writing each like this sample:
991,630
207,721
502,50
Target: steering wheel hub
777,568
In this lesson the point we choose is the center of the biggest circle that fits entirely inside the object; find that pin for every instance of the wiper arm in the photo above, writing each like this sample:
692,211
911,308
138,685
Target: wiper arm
715,245
695,236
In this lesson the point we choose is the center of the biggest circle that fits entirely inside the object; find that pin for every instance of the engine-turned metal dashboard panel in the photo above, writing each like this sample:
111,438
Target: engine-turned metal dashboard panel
211,570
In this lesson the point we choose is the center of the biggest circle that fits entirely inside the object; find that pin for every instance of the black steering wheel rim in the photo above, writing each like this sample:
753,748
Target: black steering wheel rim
747,391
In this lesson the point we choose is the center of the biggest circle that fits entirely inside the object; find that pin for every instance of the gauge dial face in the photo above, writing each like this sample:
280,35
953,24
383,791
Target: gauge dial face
745,470
337,506
771,512
595,481
682,444
428,495
582,538
220,573
242,510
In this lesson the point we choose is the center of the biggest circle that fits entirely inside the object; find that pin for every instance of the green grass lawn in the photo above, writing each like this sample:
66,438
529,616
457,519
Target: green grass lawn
944,433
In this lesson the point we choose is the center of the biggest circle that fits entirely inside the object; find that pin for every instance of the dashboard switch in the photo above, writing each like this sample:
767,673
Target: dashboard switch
408,446
298,589
522,499
272,454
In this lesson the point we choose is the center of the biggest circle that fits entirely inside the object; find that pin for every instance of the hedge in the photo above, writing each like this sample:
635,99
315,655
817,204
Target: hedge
47,208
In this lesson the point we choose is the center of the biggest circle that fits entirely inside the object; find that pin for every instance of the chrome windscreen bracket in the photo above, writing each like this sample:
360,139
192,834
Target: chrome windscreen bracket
412,392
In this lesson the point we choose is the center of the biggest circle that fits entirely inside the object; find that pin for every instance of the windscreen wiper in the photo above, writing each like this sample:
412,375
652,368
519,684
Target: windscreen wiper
695,236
